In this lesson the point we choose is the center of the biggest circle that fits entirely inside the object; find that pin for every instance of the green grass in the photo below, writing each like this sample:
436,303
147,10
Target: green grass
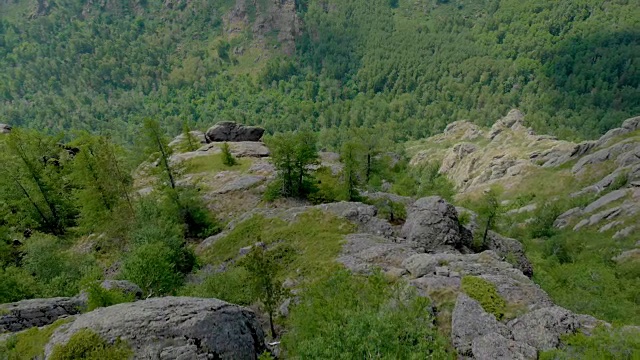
315,236
29,344
604,344
576,269
213,163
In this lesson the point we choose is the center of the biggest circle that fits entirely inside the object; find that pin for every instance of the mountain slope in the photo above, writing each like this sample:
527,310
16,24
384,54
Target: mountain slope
410,66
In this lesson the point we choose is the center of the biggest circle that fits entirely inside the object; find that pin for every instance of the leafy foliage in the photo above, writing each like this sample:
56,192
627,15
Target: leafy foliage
100,297
265,269
35,183
85,344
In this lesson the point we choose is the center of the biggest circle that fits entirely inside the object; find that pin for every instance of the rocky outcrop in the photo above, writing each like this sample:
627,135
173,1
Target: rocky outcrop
543,328
479,335
5,129
513,121
26,314
470,321
494,346
173,328
233,132
510,249
432,225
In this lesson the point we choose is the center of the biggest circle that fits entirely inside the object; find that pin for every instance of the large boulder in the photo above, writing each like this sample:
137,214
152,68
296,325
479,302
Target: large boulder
494,346
432,225
469,321
173,328
511,250
26,314
5,129
233,132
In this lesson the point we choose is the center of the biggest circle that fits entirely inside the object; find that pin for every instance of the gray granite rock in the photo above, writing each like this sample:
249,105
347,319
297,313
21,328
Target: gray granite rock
173,328
26,314
233,132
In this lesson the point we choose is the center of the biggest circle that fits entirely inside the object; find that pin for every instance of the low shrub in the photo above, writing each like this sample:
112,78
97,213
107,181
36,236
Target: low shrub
101,297
486,294
86,344
153,268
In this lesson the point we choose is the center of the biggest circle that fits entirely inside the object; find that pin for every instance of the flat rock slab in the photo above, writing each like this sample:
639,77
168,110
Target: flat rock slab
26,314
173,328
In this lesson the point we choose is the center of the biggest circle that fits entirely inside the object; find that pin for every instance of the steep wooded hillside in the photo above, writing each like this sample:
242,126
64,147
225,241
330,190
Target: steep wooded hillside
409,66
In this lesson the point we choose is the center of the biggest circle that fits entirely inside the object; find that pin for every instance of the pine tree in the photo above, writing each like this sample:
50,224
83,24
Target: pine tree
157,146
351,155
103,183
227,157
190,142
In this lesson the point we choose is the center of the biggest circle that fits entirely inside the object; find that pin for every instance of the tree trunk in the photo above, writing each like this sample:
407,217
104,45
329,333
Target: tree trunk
273,329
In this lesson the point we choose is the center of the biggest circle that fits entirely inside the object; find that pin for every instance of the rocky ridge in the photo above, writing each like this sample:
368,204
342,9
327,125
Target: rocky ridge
604,172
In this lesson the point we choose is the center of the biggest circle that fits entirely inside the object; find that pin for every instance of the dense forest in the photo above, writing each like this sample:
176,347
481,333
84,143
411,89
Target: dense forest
409,67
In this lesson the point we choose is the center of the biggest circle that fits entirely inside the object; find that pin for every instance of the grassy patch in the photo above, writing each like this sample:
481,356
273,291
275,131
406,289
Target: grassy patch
486,294
576,269
605,344
214,163
29,344
315,236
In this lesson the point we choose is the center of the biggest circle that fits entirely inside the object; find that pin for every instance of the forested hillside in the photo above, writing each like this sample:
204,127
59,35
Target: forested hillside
410,67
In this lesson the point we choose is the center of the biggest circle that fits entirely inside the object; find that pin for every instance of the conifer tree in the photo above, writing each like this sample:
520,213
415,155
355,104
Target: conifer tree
351,155
227,156
35,181
190,142
157,146
103,182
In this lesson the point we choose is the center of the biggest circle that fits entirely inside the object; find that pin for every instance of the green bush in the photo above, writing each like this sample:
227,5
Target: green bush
152,267
543,219
486,294
17,284
100,297
57,271
327,189
85,344
349,317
